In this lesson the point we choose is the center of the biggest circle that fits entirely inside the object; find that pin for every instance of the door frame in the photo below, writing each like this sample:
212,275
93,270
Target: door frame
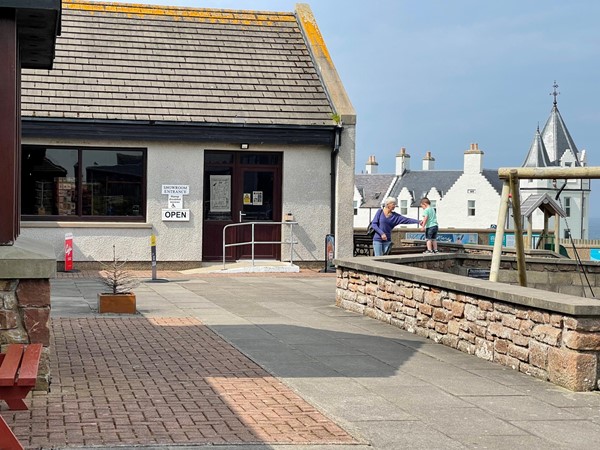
236,163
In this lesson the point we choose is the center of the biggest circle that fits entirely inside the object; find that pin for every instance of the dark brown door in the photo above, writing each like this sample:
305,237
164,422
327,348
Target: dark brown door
241,187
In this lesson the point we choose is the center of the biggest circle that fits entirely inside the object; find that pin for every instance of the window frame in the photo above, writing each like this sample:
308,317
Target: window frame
404,207
79,217
471,208
568,206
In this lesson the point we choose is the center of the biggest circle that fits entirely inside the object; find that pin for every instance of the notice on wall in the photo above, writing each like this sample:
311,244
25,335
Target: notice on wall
247,198
257,198
182,189
175,201
220,193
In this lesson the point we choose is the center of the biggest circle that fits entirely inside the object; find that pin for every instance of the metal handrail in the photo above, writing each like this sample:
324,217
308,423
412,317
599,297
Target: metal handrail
253,242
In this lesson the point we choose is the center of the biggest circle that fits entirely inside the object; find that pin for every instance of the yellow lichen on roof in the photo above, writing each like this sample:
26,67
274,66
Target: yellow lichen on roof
313,34
200,14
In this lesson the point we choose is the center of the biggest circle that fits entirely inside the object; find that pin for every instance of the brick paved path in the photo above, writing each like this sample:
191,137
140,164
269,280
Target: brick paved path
139,381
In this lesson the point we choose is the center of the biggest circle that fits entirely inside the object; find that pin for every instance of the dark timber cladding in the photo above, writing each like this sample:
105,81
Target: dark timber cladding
9,128
155,67
28,30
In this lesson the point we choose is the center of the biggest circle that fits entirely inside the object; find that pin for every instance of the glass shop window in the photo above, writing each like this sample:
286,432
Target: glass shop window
59,183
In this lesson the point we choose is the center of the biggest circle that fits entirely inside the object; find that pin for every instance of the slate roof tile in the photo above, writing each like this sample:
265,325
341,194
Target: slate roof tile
178,64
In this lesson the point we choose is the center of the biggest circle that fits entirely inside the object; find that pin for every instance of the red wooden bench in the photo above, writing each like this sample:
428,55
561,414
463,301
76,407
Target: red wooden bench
18,373
8,440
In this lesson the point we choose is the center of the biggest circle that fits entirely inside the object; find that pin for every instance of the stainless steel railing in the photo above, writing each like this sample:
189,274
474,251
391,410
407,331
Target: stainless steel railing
253,242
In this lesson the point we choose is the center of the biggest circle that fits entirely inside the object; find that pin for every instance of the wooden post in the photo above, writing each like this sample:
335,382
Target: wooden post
516,202
556,233
10,131
530,231
544,236
502,213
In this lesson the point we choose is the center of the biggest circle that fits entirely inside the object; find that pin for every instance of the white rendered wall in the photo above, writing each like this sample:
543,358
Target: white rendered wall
306,194
452,209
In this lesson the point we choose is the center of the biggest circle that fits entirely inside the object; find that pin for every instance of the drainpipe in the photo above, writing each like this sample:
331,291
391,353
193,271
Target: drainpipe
336,149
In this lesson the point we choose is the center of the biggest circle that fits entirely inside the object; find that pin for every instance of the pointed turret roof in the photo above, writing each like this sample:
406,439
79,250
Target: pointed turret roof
556,136
537,156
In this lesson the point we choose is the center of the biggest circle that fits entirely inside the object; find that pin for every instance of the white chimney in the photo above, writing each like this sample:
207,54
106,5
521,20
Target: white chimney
428,161
473,160
372,165
402,162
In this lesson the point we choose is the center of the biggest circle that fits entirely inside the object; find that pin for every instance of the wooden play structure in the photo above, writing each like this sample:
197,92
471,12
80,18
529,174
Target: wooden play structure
510,192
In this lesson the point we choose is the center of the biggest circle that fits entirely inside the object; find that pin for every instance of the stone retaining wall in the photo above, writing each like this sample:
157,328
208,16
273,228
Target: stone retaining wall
549,335
25,318
26,268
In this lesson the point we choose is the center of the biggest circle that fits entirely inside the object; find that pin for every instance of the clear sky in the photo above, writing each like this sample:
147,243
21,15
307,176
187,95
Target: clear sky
436,75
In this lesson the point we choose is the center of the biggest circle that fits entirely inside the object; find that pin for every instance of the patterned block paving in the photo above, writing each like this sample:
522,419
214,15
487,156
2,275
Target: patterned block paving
166,381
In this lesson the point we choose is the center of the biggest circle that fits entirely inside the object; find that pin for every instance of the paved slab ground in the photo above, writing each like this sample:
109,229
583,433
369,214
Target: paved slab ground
138,381
268,362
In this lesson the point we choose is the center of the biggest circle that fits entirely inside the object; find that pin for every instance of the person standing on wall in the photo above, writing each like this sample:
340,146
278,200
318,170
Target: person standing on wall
384,222
430,225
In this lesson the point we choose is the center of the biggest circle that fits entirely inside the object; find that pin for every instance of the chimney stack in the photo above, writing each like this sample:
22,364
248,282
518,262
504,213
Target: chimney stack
372,165
402,162
473,162
428,161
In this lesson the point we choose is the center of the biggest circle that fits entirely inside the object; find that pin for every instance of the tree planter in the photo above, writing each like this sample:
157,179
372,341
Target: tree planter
116,303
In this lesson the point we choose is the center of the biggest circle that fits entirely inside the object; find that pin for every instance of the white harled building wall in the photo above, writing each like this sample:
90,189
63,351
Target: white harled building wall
183,164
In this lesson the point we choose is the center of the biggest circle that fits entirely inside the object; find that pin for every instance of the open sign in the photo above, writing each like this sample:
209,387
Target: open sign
178,215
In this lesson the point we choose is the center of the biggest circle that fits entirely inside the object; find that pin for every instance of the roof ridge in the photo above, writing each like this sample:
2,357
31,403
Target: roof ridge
211,14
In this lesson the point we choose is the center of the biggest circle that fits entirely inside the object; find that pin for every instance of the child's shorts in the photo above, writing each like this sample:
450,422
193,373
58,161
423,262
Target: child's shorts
431,232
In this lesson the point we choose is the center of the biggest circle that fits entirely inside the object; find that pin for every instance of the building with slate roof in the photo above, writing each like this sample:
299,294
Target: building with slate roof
370,190
176,122
554,147
463,199
470,198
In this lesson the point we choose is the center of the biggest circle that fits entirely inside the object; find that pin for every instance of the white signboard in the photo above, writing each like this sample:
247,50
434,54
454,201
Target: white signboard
176,215
175,201
182,189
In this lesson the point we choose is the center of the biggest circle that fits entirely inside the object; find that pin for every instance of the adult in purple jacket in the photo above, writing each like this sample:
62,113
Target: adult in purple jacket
383,223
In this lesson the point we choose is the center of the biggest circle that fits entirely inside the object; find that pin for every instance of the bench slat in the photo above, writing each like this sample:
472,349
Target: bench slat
10,364
29,365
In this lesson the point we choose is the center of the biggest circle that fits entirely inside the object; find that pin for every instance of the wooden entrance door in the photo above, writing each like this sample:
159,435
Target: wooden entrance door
241,187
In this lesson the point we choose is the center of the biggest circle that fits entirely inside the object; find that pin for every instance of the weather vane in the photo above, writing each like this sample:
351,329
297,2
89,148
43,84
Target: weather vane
555,93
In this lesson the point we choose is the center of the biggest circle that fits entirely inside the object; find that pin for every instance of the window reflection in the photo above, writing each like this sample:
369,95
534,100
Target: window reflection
82,182
49,182
111,183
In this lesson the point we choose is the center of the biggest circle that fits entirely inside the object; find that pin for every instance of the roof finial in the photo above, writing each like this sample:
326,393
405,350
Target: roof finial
555,93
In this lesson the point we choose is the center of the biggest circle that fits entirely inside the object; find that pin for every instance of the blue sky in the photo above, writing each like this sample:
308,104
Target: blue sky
436,75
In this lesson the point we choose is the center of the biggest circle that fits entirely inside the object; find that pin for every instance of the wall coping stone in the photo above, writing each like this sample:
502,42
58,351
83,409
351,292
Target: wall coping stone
393,266
27,258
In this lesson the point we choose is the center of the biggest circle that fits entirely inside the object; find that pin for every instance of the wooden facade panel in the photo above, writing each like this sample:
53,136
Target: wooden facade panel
9,128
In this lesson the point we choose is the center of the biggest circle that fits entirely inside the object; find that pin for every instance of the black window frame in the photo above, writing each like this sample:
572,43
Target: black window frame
79,217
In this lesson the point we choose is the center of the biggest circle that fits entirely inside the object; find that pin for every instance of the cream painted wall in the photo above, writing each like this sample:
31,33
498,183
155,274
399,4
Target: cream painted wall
306,194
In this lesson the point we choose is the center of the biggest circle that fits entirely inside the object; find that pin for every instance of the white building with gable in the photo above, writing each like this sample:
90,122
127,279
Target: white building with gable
471,198
463,199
